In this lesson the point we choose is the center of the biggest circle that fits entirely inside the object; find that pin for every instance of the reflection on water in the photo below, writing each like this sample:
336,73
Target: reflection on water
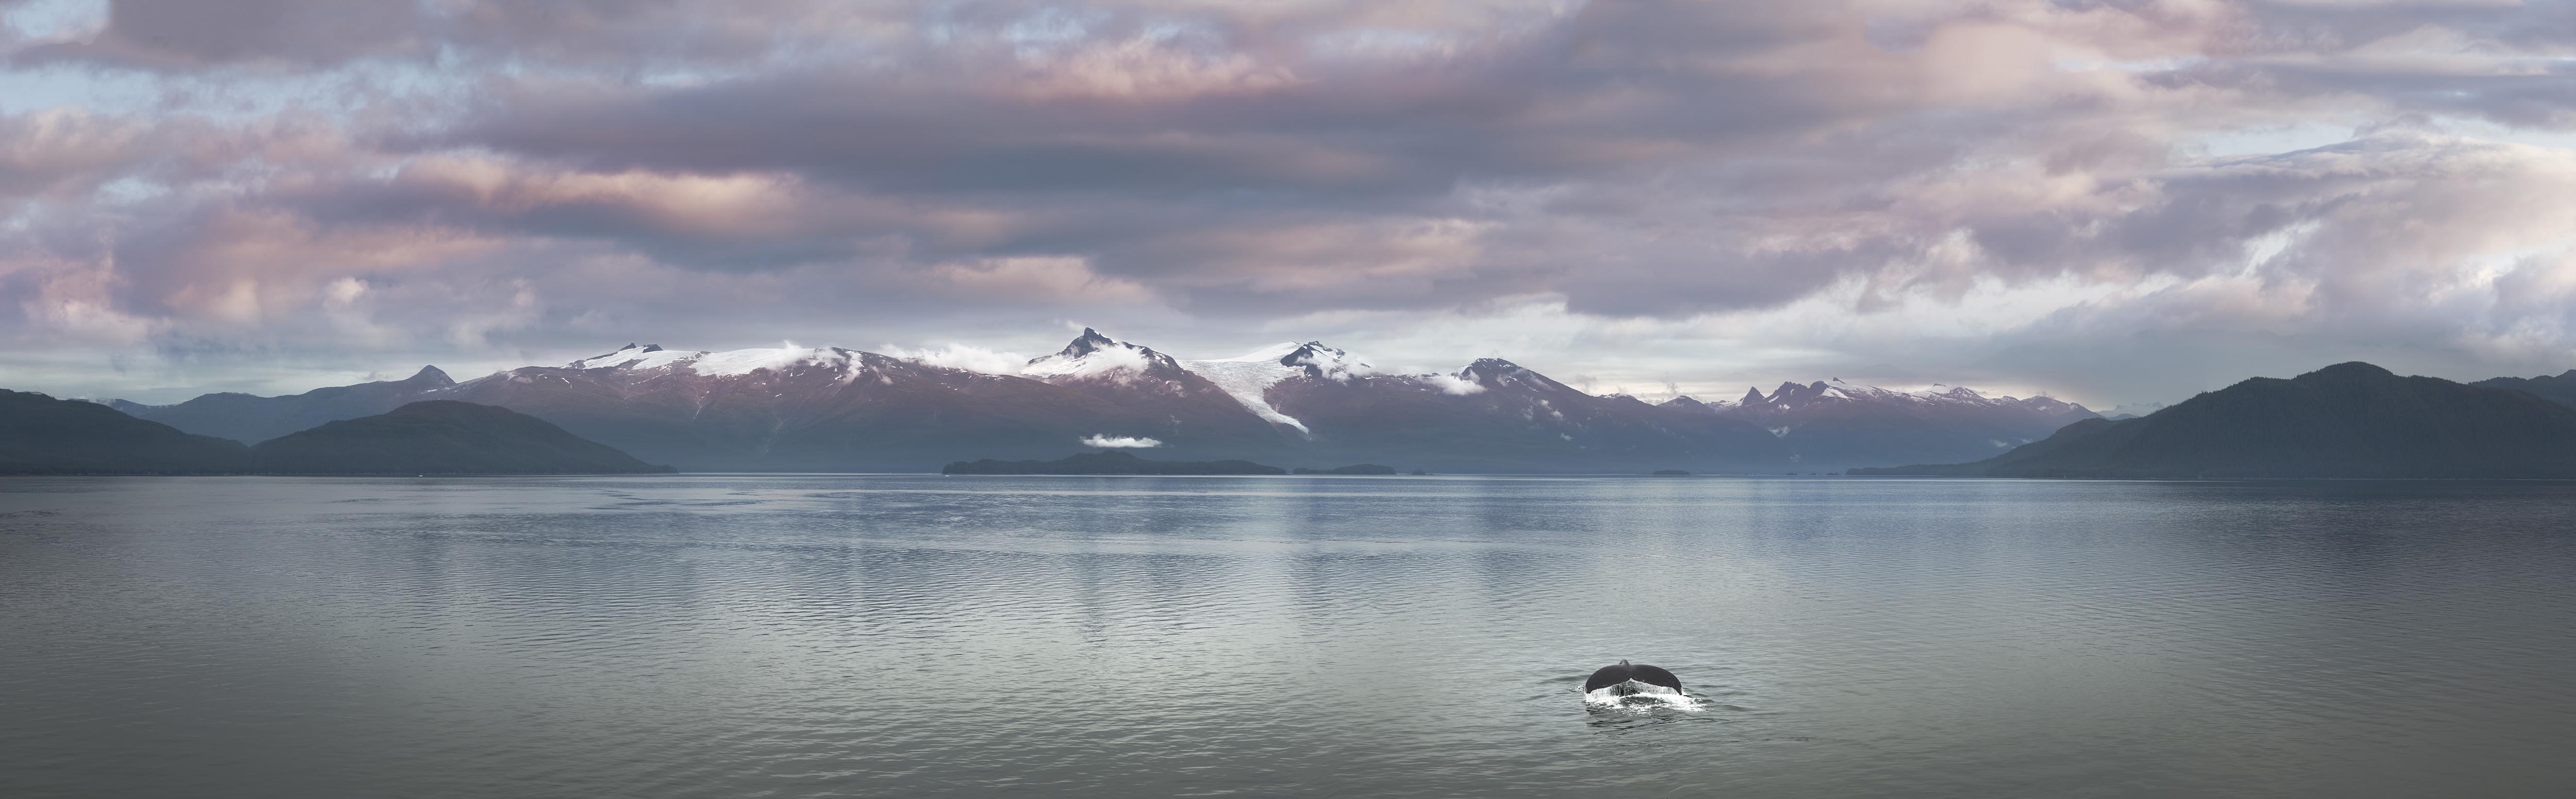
923,636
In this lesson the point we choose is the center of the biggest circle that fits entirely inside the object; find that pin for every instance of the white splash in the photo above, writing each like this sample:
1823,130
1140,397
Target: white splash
1644,700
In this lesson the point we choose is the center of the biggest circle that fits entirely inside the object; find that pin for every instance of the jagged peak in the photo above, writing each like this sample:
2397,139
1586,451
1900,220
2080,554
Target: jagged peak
1483,370
1089,342
1321,361
1093,354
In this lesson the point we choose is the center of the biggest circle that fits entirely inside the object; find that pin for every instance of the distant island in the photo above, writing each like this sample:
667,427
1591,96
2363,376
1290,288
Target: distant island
44,435
1671,473
2350,420
1109,462
1356,468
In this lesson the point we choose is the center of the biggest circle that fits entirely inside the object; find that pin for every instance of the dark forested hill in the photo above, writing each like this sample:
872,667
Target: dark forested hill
2350,420
252,419
43,435
442,437
2559,388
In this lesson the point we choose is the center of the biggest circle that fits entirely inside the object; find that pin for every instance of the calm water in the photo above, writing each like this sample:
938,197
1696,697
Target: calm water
923,636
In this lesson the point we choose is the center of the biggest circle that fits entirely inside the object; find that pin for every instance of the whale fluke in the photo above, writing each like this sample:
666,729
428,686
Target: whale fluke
1623,672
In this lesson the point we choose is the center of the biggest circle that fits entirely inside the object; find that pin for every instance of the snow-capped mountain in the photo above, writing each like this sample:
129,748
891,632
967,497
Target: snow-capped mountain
1835,424
1293,404
1249,377
1093,356
1495,415
839,409
1139,380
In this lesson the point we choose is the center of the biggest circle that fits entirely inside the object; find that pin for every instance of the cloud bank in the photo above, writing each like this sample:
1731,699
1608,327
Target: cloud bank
2116,201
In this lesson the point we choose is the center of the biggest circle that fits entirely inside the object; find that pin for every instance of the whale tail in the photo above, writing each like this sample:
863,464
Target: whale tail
1656,675
1624,671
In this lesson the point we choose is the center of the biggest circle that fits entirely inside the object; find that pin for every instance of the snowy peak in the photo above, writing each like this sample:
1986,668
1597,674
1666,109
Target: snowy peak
1959,394
1496,373
1089,342
1489,371
1248,377
1092,355
1324,363
1312,359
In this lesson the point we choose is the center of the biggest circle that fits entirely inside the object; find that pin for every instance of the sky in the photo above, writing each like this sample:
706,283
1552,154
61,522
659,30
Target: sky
2106,202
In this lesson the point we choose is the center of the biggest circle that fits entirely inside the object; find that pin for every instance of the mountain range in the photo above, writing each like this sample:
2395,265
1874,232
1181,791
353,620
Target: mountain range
1307,404
833,409
2349,420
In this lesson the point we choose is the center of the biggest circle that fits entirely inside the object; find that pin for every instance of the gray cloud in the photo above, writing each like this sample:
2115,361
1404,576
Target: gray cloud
334,183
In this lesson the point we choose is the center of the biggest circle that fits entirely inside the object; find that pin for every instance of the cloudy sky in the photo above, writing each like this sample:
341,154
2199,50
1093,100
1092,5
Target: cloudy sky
2106,201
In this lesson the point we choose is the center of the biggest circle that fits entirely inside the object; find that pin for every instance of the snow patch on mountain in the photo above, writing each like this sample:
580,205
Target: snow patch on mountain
729,363
650,356
743,362
1248,378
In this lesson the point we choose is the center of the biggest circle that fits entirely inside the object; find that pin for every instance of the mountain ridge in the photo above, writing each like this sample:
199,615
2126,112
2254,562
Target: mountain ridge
834,409
2348,420
43,435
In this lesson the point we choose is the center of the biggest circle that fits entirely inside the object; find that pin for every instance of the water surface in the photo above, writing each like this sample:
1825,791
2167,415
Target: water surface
1300,636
